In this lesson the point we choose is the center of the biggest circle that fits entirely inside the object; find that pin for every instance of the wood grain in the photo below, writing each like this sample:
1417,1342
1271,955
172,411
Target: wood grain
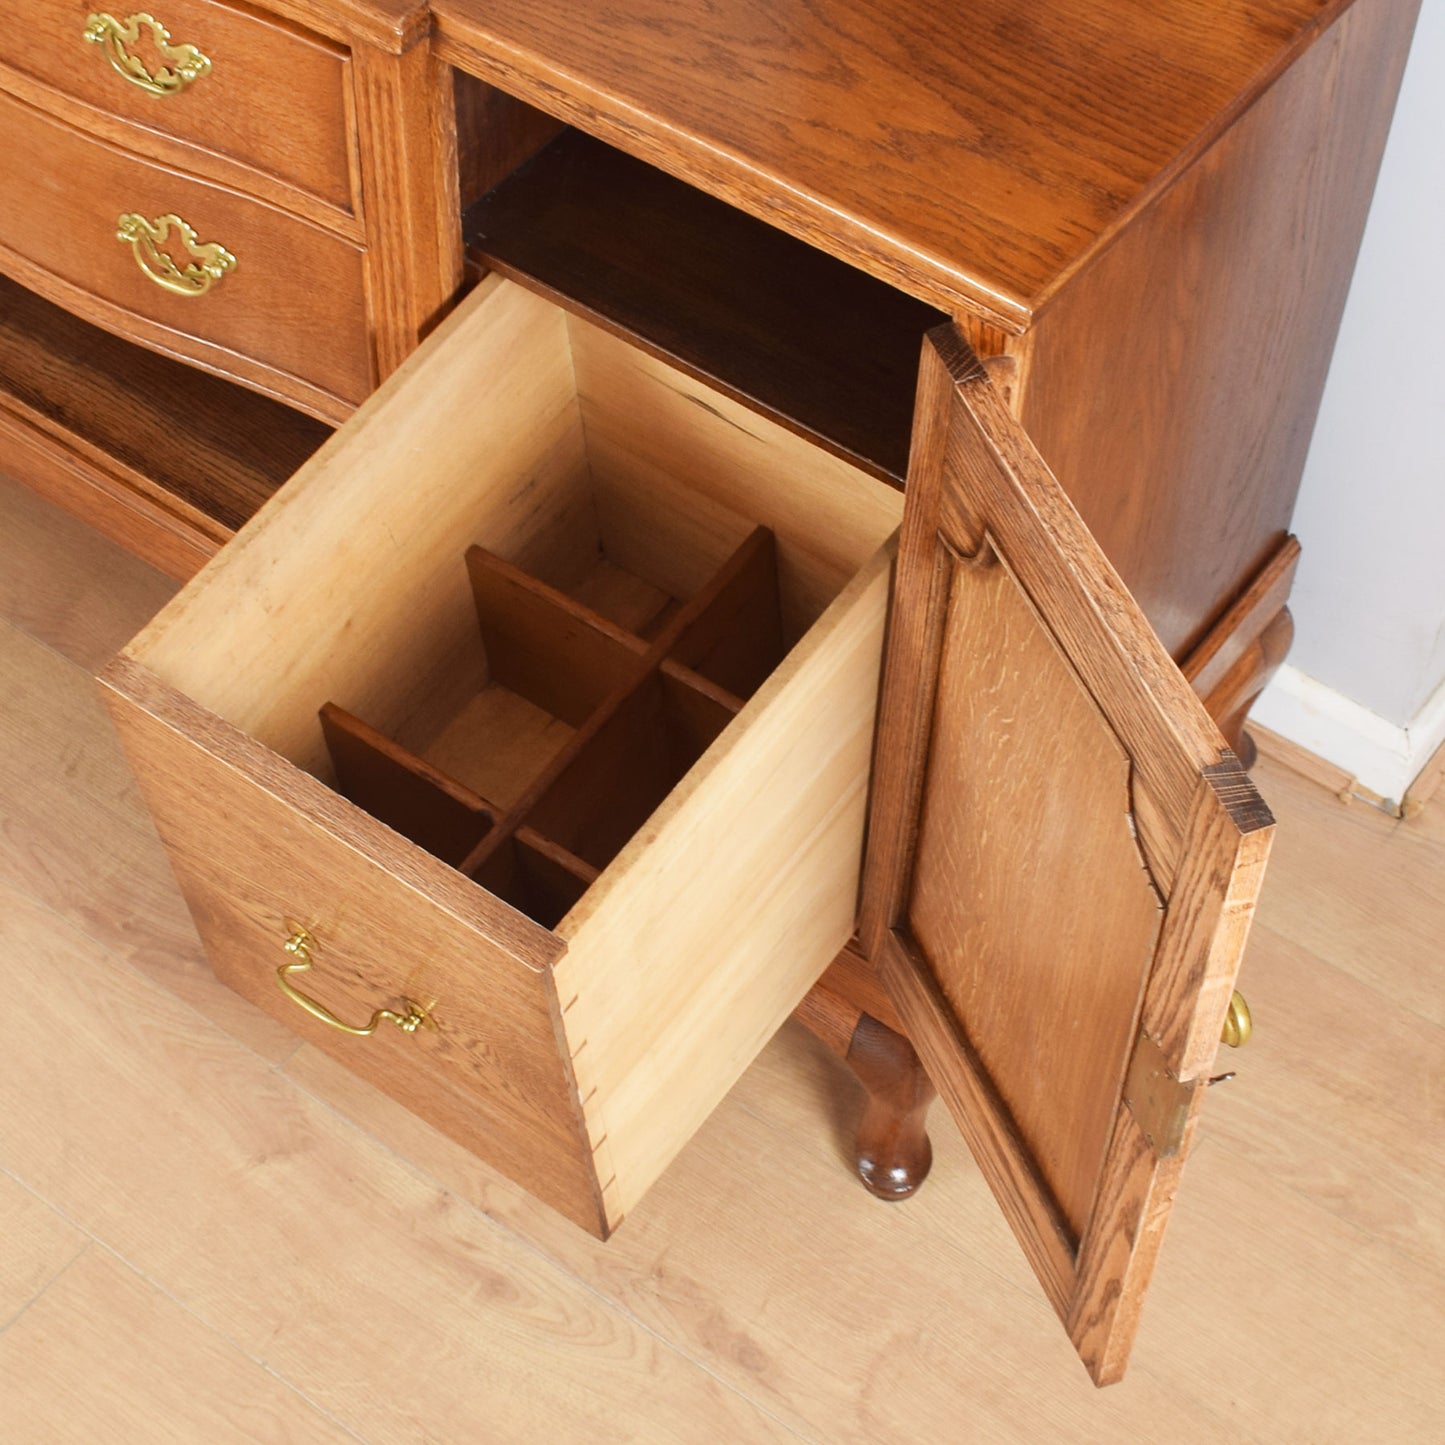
1211,667
623,770
1220,304
618,765
827,350
682,474
623,598
1374,930
40,1246
1182,1012
402,790
672,984
537,876
1243,650
290,319
152,530
737,642
182,458
267,1220
498,745
75,839
1010,710
853,978
406,137
318,620
1063,857
393,26
555,652
898,138
272,849
496,133
59,580
163,1377
274,101
286,622
1380,1182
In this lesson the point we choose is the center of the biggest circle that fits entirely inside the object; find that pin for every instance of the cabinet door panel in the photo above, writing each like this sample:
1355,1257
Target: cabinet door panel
1063,857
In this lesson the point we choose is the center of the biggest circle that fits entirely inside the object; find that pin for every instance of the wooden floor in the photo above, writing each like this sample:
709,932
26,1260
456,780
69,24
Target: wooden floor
209,1234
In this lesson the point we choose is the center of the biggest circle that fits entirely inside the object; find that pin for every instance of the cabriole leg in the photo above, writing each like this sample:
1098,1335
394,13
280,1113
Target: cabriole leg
893,1154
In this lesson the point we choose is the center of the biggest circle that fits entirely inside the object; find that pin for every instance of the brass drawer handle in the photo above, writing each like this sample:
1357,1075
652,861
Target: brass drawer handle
299,944
184,63
1238,1025
208,263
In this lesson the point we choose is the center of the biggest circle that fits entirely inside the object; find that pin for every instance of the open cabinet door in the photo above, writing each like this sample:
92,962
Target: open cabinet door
1063,857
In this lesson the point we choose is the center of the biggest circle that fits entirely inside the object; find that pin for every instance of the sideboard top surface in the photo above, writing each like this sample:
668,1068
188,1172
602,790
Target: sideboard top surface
973,155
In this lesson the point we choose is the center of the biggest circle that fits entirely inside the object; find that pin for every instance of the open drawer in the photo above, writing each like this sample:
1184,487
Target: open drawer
517,752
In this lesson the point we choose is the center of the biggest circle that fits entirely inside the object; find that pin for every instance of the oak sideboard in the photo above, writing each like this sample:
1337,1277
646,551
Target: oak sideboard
566,687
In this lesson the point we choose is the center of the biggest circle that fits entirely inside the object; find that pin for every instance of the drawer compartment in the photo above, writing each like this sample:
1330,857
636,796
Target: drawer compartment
230,81
536,709
287,317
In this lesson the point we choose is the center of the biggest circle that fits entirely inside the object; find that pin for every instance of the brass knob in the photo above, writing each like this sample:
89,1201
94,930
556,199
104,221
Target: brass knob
1238,1025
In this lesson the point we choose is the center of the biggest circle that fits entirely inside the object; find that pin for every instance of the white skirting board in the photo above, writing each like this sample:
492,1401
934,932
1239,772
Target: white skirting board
1382,756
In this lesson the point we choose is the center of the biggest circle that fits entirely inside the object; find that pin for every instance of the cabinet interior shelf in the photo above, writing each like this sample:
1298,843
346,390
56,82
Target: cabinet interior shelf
174,438
825,349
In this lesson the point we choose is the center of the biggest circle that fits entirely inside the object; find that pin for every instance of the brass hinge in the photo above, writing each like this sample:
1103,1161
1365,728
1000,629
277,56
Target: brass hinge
1158,1098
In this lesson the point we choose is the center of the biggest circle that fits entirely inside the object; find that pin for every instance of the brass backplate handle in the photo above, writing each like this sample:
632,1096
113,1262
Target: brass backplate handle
1238,1025
207,262
117,38
299,944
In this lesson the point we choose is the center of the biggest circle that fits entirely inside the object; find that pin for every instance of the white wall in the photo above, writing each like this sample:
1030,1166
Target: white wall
1369,605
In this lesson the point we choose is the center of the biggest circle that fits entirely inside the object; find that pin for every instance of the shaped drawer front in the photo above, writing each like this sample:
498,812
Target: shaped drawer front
537,712
230,81
165,258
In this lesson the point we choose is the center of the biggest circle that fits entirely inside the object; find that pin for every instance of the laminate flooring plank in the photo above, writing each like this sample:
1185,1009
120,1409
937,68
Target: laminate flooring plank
36,1245
67,585
1306,1328
396,1309
75,836
103,1356
1358,889
1341,1097
851,1319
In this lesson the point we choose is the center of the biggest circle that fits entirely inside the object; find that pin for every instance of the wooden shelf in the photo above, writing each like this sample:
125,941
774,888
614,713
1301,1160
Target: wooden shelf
828,351
165,457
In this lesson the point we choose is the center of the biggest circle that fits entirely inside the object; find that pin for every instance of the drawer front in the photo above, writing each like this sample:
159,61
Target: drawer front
285,312
261,850
251,89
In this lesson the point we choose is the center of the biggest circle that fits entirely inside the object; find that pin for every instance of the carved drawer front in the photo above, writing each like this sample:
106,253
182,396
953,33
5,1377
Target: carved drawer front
517,752
268,97
182,265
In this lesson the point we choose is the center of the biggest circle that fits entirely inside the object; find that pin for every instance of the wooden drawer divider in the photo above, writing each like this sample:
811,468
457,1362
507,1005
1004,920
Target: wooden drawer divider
594,723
